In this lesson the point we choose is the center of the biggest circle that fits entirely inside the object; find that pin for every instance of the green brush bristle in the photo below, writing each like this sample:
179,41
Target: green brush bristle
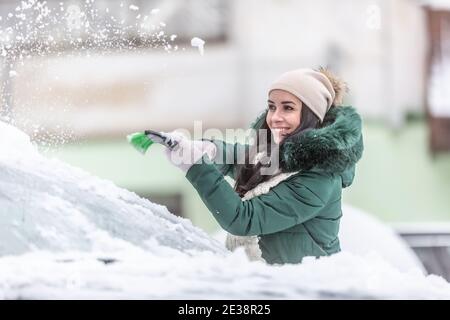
140,141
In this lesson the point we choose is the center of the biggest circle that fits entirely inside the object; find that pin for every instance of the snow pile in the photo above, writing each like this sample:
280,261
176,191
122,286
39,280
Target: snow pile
14,143
65,234
361,233
48,205
138,274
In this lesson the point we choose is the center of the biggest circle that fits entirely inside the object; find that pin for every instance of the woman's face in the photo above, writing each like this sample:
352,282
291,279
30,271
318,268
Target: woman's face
284,114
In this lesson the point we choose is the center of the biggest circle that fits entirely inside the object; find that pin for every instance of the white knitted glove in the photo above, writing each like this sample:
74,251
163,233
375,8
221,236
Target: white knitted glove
188,152
250,244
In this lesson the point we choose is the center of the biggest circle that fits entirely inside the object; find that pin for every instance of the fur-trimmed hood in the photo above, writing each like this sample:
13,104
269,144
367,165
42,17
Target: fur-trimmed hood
336,146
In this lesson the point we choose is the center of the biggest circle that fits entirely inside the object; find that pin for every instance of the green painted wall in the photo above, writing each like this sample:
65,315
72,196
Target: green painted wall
397,180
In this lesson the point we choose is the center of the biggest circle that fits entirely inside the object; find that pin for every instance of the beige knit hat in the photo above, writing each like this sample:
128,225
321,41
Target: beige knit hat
319,90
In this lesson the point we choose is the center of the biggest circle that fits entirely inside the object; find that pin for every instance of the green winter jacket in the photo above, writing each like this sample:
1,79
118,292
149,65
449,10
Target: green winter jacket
300,216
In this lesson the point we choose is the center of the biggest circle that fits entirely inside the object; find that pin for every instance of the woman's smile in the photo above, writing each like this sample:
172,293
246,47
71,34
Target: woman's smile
283,131
284,114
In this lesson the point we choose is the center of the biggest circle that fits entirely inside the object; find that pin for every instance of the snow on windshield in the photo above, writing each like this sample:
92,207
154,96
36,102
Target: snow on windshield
67,234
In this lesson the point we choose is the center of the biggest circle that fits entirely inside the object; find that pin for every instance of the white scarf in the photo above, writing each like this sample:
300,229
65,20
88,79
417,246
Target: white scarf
250,243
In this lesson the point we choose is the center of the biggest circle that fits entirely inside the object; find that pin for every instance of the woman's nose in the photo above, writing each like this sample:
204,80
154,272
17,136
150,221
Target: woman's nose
277,116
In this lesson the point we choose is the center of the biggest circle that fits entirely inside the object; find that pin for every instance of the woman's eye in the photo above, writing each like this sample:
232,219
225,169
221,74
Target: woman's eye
271,107
288,108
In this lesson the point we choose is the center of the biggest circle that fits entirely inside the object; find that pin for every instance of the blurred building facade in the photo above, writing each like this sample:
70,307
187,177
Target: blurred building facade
380,47
438,72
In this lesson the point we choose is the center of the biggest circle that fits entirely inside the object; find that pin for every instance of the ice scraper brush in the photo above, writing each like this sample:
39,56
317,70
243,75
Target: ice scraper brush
143,140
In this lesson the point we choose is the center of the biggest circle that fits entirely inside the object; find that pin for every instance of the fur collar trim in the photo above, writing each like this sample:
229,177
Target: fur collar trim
333,147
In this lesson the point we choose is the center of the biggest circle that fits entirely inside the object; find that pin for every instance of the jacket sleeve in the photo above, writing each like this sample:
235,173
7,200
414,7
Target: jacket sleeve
227,156
291,202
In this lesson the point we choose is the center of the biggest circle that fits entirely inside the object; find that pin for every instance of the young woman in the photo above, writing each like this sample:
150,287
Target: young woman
295,210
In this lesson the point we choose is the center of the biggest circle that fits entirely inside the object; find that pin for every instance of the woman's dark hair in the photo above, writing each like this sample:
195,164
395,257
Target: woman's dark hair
249,174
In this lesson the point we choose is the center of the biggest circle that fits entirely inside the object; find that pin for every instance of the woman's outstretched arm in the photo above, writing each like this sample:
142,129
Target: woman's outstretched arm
298,199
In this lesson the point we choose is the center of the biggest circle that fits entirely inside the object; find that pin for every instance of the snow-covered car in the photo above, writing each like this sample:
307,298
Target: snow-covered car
67,234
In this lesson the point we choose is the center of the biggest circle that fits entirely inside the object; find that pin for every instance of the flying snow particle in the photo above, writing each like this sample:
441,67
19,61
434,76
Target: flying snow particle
134,8
197,42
